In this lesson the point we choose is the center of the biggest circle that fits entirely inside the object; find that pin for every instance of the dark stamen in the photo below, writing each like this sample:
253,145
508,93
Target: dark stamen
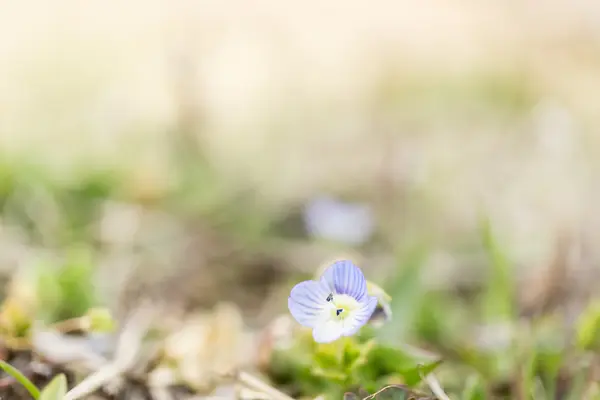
339,311
330,297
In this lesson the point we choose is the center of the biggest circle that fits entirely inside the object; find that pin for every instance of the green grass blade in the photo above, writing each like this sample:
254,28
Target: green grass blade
498,300
22,379
56,389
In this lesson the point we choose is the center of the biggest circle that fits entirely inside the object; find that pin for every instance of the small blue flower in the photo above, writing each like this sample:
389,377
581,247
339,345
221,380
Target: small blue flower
336,305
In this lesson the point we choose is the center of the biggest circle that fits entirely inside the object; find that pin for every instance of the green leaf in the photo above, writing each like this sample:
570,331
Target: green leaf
56,389
498,300
294,366
538,391
384,306
350,353
326,360
101,321
357,355
405,362
413,376
375,290
67,291
330,374
16,318
22,379
528,375
549,365
474,389
580,380
588,327
407,293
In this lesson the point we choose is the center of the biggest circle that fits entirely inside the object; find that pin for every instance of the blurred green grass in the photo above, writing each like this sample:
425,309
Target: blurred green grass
489,349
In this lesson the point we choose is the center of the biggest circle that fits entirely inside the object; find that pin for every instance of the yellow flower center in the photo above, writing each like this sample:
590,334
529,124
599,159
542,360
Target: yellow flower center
342,306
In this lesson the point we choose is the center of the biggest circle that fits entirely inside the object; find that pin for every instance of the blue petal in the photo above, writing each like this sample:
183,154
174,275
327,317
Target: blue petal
343,277
307,302
360,316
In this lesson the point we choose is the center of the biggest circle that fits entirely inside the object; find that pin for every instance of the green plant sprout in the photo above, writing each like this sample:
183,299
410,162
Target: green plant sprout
55,390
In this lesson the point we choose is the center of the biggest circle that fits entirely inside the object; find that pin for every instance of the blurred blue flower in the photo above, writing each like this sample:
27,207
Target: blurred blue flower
328,218
336,305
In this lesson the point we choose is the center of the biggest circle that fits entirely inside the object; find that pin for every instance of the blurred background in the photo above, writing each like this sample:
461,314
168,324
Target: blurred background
201,152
